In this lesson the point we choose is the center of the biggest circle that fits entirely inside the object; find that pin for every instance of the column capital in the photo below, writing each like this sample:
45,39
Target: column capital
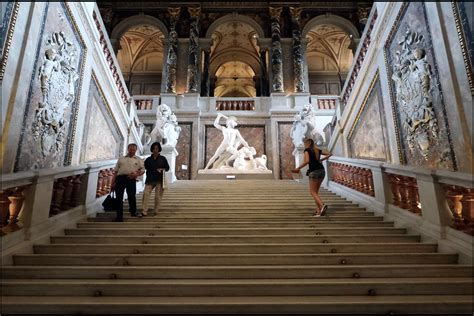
275,12
296,13
174,12
194,11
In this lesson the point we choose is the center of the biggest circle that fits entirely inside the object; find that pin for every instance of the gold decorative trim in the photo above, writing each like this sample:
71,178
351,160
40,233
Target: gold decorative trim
8,38
393,30
81,80
364,103
462,40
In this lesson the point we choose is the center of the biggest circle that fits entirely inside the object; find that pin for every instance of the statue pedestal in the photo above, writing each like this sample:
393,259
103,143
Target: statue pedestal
234,174
300,99
169,99
170,154
298,153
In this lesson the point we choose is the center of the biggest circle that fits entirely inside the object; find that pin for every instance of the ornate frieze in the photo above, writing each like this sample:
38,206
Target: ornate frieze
193,56
298,65
172,54
417,100
276,53
8,26
464,27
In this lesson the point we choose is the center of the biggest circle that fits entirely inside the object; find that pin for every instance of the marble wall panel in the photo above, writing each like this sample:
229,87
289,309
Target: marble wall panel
102,139
184,148
53,99
253,134
417,100
368,140
285,150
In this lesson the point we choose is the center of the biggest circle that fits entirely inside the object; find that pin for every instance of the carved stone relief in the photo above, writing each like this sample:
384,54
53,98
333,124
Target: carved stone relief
416,95
50,113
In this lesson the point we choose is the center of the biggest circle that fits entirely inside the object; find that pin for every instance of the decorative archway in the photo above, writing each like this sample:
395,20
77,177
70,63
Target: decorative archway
238,18
135,20
339,21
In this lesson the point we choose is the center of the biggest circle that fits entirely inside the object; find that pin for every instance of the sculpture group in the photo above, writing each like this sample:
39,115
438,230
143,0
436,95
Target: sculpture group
304,126
166,130
229,156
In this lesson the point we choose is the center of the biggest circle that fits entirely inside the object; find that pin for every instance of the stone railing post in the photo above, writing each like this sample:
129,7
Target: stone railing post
432,199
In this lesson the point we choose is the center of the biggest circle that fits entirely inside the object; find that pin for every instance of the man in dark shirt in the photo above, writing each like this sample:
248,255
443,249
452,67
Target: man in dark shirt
155,167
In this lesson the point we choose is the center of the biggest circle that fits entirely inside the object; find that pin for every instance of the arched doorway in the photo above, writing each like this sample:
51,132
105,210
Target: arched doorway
141,58
329,53
234,66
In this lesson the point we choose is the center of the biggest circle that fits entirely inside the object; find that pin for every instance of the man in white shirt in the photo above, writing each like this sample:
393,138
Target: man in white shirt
127,170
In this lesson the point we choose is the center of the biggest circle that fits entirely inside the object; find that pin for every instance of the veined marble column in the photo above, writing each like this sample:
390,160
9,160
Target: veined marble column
263,69
276,57
172,54
298,65
192,77
206,50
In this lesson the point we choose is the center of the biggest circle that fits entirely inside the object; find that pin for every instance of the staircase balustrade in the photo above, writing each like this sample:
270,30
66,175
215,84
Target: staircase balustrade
357,178
11,203
66,194
441,197
104,182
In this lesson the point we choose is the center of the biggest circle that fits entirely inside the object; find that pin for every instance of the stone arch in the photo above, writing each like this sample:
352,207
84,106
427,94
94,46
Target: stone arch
129,22
336,20
230,56
235,17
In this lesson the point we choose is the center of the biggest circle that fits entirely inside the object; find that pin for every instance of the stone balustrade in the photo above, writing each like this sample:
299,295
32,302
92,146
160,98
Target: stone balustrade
405,192
235,105
439,198
146,102
30,202
357,178
327,103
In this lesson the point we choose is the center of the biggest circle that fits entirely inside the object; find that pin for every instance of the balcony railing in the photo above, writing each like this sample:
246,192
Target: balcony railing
235,105
146,102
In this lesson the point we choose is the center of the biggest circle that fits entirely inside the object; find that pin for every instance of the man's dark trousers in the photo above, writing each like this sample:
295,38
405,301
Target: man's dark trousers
124,183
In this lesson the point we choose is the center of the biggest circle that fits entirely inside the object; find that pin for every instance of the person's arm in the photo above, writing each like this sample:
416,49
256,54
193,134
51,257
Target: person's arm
112,185
142,169
167,166
218,118
325,153
305,162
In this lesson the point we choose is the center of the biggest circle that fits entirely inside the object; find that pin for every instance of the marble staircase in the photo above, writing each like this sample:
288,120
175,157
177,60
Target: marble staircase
247,246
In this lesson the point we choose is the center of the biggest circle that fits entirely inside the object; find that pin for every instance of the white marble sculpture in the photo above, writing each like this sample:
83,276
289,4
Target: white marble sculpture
305,126
166,130
228,152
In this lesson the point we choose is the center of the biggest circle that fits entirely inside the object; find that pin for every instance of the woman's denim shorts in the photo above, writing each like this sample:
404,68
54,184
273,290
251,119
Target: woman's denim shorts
318,174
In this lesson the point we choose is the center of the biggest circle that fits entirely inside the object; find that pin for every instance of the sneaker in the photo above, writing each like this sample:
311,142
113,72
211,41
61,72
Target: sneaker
323,210
144,213
316,215
138,214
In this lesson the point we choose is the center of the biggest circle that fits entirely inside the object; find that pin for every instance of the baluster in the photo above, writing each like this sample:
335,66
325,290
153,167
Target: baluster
4,207
412,188
365,181
357,179
394,188
468,210
58,191
370,182
404,192
453,197
76,191
100,181
16,203
66,202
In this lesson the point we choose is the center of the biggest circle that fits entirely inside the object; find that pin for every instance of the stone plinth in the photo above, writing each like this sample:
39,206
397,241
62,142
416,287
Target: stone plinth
222,173
170,154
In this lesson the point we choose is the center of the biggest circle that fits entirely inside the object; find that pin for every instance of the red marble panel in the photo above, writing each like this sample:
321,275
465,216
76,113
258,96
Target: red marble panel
285,150
184,148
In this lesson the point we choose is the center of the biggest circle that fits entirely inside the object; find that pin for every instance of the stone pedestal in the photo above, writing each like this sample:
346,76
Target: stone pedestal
300,99
234,174
298,153
190,101
169,99
279,101
170,154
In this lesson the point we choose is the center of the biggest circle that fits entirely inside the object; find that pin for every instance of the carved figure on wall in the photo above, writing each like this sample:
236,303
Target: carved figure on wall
412,77
166,129
58,77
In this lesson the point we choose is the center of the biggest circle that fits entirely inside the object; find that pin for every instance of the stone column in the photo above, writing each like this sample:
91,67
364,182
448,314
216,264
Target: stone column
192,83
206,49
276,52
298,65
172,53
264,44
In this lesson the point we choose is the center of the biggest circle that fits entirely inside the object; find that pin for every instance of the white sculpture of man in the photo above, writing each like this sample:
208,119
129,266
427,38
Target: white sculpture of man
230,143
163,113
298,130
171,131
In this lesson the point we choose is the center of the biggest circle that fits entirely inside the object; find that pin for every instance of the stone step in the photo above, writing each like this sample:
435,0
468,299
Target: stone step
219,207
393,304
126,238
246,215
102,259
262,219
143,228
236,272
242,248
202,224
233,287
